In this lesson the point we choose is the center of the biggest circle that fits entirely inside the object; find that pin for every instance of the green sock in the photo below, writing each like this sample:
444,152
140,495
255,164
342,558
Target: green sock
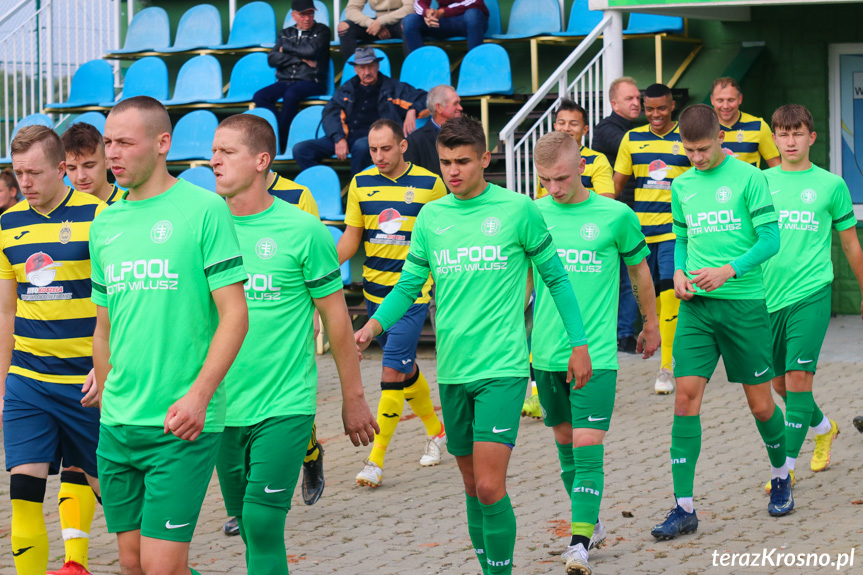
773,433
498,527
587,490
474,529
265,539
817,415
243,536
193,571
685,449
567,466
798,414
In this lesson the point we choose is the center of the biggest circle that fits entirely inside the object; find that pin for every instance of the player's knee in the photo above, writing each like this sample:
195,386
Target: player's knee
489,490
164,564
762,410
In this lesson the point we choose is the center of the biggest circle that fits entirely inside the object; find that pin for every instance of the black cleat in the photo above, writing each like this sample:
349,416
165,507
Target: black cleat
313,478
231,527
858,423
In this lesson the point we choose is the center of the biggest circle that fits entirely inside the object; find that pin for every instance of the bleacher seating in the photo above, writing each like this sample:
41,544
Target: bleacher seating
92,84
653,24
485,70
200,176
193,137
425,68
199,80
200,27
530,18
345,267
149,31
385,68
96,119
145,77
582,20
254,26
269,117
326,189
306,126
250,74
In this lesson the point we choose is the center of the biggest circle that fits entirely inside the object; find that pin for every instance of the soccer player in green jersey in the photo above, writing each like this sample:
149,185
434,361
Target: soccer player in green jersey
810,202
726,228
86,165
591,233
292,269
167,280
477,243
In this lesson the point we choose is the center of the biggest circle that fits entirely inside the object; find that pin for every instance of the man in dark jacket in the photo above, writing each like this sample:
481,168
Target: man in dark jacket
365,98
443,104
301,58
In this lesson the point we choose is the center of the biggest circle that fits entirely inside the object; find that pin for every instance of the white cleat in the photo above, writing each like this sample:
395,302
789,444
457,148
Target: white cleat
576,560
664,382
434,444
597,540
371,475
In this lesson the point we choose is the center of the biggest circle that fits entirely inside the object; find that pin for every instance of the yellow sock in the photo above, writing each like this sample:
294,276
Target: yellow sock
668,324
389,412
419,398
29,535
77,504
312,451
533,390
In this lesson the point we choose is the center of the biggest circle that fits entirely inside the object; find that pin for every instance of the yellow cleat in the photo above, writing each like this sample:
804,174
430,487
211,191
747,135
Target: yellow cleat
823,446
793,481
532,408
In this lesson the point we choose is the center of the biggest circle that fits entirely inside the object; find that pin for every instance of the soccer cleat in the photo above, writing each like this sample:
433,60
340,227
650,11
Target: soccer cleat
531,407
598,537
231,527
767,486
781,498
576,560
823,446
677,522
664,382
858,423
627,344
432,453
313,477
371,475
70,568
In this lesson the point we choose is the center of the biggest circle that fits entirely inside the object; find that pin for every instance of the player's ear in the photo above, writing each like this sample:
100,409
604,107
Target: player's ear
485,159
263,163
403,145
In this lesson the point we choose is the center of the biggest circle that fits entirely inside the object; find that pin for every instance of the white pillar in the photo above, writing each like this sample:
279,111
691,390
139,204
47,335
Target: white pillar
612,41
232,9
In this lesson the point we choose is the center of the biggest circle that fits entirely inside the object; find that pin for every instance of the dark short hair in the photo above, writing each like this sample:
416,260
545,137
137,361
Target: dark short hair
567,105
82,138
158,118
724,82
698,122
463,131
258,135
8,178
657,91
29,136
397,130
792,116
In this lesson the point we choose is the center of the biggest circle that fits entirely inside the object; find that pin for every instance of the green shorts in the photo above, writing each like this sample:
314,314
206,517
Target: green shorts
482,410
261,463
154,481
588,407
798,332
738,330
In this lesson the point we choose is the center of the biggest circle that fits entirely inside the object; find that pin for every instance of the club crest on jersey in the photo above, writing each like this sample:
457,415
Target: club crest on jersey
740,136
66,232
390,221
808,196
266,248
589,232
723,194
675,149
161,231
410,194
40,269
490,226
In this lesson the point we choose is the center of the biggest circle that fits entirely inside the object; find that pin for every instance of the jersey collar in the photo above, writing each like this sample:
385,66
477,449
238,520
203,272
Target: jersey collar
59,207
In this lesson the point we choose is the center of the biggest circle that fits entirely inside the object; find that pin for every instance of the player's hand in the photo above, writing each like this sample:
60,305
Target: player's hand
316,324
359,423
375,27
683,288
648,340
342,149
91,391
579,368
363,337
710,279
186,417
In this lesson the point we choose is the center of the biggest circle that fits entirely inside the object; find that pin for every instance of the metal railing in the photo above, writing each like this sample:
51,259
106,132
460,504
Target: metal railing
42,44
586,89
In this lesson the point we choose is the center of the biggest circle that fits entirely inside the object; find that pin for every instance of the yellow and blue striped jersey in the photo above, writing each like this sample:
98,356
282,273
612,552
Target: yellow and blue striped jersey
293,193
596,177
387,210
116,194
654,161
49,256
749,139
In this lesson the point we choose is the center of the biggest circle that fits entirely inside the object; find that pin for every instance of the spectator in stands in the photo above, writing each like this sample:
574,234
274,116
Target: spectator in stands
453,18
9,190
443,104
367,97
607,134
358,27
301,58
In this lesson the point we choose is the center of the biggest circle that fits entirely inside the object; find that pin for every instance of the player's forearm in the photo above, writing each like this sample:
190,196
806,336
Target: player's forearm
561,291
337,323
349,243
226,342
7,344
853,253
399,300
619,181
764,248
681,246
645,295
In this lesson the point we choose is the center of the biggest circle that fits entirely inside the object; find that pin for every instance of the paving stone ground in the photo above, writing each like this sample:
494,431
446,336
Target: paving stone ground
414,523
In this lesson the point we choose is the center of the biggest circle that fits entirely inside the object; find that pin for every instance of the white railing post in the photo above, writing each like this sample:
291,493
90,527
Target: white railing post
336,15
130,11
232,10
117,17
49,48
612,41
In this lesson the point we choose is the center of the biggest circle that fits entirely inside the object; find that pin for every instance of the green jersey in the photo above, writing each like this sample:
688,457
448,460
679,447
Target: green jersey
290,258
808,204
590,236
478,252
155,263
717,210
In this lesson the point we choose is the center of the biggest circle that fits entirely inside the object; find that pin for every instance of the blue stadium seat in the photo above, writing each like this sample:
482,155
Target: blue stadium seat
250,74
425,68
31,120
269,117
531,18
385,68
199,80
201,176
322,15
306,126
145,77
254,25
331,84
582,20
485,70
150,30
345,267
96,119
193,137
653,24
92,83
326,189
200,27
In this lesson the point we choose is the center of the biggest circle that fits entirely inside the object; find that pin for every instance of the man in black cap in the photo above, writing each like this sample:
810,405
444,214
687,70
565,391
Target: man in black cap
365,98
301,58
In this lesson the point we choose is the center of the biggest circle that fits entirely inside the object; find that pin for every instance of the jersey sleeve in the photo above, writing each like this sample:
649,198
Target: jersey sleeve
320,263
417,262
223,262
439,189
99,292
308,204
758,200
601,178
766,146
841,209
623,164
537,242
630,241
678,219
353,213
